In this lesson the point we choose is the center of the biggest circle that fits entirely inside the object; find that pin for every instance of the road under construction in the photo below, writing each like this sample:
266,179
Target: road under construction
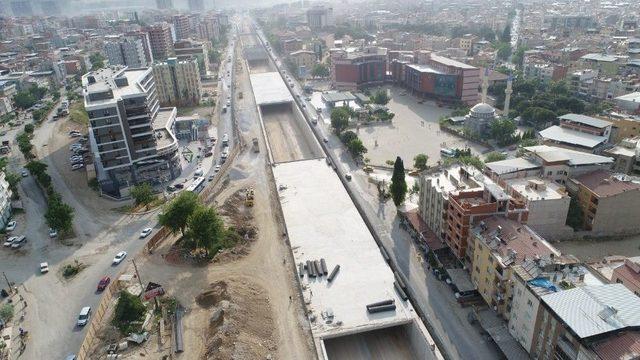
353,300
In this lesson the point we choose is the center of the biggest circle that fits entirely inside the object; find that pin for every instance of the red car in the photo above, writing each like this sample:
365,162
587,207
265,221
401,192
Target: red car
103,283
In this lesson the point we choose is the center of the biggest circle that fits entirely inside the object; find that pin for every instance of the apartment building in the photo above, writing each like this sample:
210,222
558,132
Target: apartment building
128,51
146,44
178,82
548,204
496,245
319,17
610,203
5,200
208,28
191,49
628,274
160,40
431,75
605,64
303,59
181,26
130,136
352,70
468,207
5,105
588,322
434,194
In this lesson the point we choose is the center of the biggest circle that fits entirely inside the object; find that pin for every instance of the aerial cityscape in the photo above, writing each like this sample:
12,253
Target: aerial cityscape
318,179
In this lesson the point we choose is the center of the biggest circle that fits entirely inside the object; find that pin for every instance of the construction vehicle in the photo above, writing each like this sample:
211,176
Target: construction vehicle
248,201
256,148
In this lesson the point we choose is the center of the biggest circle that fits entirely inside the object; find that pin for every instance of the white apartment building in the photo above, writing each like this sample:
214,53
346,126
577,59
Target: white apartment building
178,82
5,201
131,136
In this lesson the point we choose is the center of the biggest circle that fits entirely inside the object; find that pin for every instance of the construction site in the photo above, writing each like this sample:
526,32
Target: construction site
357,308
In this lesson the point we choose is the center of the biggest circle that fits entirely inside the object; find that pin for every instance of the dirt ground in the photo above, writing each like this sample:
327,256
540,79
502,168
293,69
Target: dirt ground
285,136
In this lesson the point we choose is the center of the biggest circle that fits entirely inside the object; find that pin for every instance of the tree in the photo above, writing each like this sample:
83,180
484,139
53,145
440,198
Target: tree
97,61
380,98
6,312
473,161
502,131
214,56
36,168
176,214
13,179
356,148
129,309
320,70
143,194
420,162
398,186
506,34
205,229
24,100
59,216
537,116
28,128
339,119
347,136
494,156
504,50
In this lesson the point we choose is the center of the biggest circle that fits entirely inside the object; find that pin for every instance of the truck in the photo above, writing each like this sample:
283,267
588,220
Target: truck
249,197
256,148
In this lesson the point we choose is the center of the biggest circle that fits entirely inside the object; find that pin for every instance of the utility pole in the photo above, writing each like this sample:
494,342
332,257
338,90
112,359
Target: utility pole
137,274
8,283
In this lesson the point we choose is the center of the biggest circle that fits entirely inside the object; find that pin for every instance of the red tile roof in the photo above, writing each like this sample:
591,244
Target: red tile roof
623,347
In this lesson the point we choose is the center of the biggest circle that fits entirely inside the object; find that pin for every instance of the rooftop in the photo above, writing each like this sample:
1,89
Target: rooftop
586,120
511,241
456,178
424,68
338,234
574,158
599,57
162,126
604,183
572,137
595,310
450,62
633,97
338,96
512,165
104,80
269,88
629,272
534,189
624,346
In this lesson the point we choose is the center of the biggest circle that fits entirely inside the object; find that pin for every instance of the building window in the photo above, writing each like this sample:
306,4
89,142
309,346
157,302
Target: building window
549,173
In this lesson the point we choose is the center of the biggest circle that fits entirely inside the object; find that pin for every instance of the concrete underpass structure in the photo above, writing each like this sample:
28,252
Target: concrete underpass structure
322,222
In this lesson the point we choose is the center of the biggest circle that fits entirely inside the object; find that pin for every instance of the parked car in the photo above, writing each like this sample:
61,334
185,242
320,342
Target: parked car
145,233
9,241
119,257
211,177
17,243
25,173
52,233
44,268
171,188
11,225
347,176
84,316
103,283
179,186
77,166
216,168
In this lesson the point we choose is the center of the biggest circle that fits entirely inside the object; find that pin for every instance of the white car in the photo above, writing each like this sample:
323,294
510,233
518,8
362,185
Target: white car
25,173
83,317
52,233
17,243
10,241
11,225
216,168
77,166
145,233
44,268
119,257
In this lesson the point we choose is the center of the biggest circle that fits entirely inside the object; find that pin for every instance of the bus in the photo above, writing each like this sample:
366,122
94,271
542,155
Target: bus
197,185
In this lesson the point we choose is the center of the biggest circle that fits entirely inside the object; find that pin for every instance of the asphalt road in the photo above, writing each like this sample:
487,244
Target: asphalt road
447,319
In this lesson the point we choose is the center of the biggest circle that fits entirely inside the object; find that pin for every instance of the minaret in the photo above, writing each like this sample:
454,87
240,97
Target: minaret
485,85
507,97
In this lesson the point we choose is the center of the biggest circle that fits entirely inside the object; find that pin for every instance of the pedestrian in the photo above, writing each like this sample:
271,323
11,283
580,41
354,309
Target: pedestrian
25,303
290,298
310,293
21,298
